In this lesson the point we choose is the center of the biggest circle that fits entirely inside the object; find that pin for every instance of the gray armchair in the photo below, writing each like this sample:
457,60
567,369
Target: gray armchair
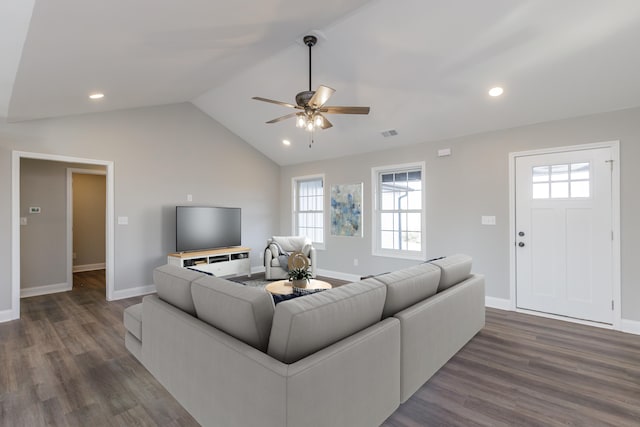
289,244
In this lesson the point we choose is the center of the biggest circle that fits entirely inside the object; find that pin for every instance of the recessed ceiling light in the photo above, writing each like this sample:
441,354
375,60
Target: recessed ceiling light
286,142
496,91
96,96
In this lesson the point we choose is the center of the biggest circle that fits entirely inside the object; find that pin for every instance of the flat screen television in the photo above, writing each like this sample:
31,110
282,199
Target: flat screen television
206,227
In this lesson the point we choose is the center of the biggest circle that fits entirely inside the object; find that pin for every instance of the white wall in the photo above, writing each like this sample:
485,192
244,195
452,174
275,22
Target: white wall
43,240
160,155
474,182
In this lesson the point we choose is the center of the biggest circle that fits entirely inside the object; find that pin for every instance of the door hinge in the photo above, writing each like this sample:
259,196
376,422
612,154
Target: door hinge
610,164
611,234
611,304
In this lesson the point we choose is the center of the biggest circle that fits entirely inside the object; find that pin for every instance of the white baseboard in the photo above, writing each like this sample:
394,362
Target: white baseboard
499,303
45,290
258,269
338,275
630,326
7,316
89,267
133,292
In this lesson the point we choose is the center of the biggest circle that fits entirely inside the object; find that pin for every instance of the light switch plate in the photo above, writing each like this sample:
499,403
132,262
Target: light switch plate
123,220
23,220
488,220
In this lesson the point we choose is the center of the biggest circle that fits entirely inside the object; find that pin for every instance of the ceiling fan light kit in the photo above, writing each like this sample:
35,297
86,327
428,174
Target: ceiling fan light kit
311,118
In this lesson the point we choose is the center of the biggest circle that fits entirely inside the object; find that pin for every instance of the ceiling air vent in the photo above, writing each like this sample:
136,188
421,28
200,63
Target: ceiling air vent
388,133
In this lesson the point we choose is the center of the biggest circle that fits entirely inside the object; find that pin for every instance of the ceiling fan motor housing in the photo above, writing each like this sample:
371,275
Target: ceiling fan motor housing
302,98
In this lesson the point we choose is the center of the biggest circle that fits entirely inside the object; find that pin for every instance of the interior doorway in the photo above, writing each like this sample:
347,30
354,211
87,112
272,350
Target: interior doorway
17,156
564,232
86,220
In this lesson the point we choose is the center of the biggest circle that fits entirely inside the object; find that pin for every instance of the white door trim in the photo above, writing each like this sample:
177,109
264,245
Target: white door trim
615,213
70,172
15,221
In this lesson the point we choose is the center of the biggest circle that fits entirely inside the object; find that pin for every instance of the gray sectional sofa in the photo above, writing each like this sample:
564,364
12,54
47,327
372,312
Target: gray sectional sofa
348,356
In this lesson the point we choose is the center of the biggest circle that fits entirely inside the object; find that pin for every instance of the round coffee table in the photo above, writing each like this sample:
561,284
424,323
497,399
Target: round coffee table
283,287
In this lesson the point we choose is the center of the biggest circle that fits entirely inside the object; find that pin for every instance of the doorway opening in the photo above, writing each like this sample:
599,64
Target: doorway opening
17,156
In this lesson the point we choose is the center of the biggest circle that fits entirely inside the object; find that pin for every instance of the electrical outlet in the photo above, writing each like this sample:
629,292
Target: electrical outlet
355,262
189,197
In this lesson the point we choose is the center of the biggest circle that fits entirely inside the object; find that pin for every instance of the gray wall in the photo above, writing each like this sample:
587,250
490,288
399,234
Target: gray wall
89,208
43,248
160,155
474,182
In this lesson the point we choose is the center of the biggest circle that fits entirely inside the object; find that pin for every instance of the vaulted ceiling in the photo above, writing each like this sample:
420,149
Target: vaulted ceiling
423,66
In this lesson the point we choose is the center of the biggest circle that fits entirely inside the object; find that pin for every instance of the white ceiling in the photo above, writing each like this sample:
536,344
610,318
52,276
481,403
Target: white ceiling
423,66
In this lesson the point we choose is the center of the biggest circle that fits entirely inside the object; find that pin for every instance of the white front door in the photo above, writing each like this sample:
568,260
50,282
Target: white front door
564,263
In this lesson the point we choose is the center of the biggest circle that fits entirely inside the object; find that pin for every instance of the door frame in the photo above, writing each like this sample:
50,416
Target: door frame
15,221
615,225
70,172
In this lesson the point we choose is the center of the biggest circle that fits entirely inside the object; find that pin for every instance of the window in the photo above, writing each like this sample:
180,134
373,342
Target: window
566,181
398,220
308,208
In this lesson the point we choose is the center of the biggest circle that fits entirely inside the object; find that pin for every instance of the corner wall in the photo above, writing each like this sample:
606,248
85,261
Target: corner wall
473,182
160,155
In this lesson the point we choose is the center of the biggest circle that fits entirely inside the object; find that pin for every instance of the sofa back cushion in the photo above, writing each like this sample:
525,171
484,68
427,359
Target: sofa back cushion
293,243
305,325
241,311
173,285
409,286
453,269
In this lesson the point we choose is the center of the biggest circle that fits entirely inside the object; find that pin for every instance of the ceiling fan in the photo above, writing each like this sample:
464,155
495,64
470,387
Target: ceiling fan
312,102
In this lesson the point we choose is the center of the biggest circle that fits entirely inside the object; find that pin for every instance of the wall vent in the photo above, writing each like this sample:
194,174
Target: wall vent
388,133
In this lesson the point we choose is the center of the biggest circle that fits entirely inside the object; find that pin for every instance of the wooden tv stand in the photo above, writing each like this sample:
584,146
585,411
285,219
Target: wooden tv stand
233,261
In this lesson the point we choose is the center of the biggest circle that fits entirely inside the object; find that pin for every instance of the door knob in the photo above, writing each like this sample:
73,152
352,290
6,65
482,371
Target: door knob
521,244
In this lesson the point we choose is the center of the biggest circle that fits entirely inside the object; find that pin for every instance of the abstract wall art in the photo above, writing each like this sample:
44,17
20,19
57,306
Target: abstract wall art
346,210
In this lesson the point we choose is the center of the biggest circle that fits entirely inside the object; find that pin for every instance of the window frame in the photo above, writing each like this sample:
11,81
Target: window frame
295,181
376,249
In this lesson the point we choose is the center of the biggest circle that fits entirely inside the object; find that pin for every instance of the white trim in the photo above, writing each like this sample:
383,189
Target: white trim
630,326
45,290
375,220
258,269
132,292
70,267
89,267
16,156
337,275
499,303
614,146
7,316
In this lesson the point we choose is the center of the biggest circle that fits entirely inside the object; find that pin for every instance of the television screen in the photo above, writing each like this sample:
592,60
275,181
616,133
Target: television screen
206,227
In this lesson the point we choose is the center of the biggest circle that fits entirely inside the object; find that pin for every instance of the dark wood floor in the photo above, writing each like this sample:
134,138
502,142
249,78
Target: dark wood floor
64,363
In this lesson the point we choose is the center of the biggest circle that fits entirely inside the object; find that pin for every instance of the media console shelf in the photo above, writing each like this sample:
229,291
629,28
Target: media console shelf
220,262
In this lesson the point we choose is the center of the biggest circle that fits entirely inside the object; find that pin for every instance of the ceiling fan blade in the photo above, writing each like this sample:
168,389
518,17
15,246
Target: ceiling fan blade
326,124
284,104
279,119
345,110
322,95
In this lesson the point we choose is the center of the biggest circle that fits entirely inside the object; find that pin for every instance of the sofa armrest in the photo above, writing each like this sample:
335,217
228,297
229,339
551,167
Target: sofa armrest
434,330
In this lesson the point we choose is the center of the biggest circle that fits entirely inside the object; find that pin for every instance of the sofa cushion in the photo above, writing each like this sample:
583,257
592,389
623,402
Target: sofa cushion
241,311
291,243
409,286
173,285
303,326
454,269
133,320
